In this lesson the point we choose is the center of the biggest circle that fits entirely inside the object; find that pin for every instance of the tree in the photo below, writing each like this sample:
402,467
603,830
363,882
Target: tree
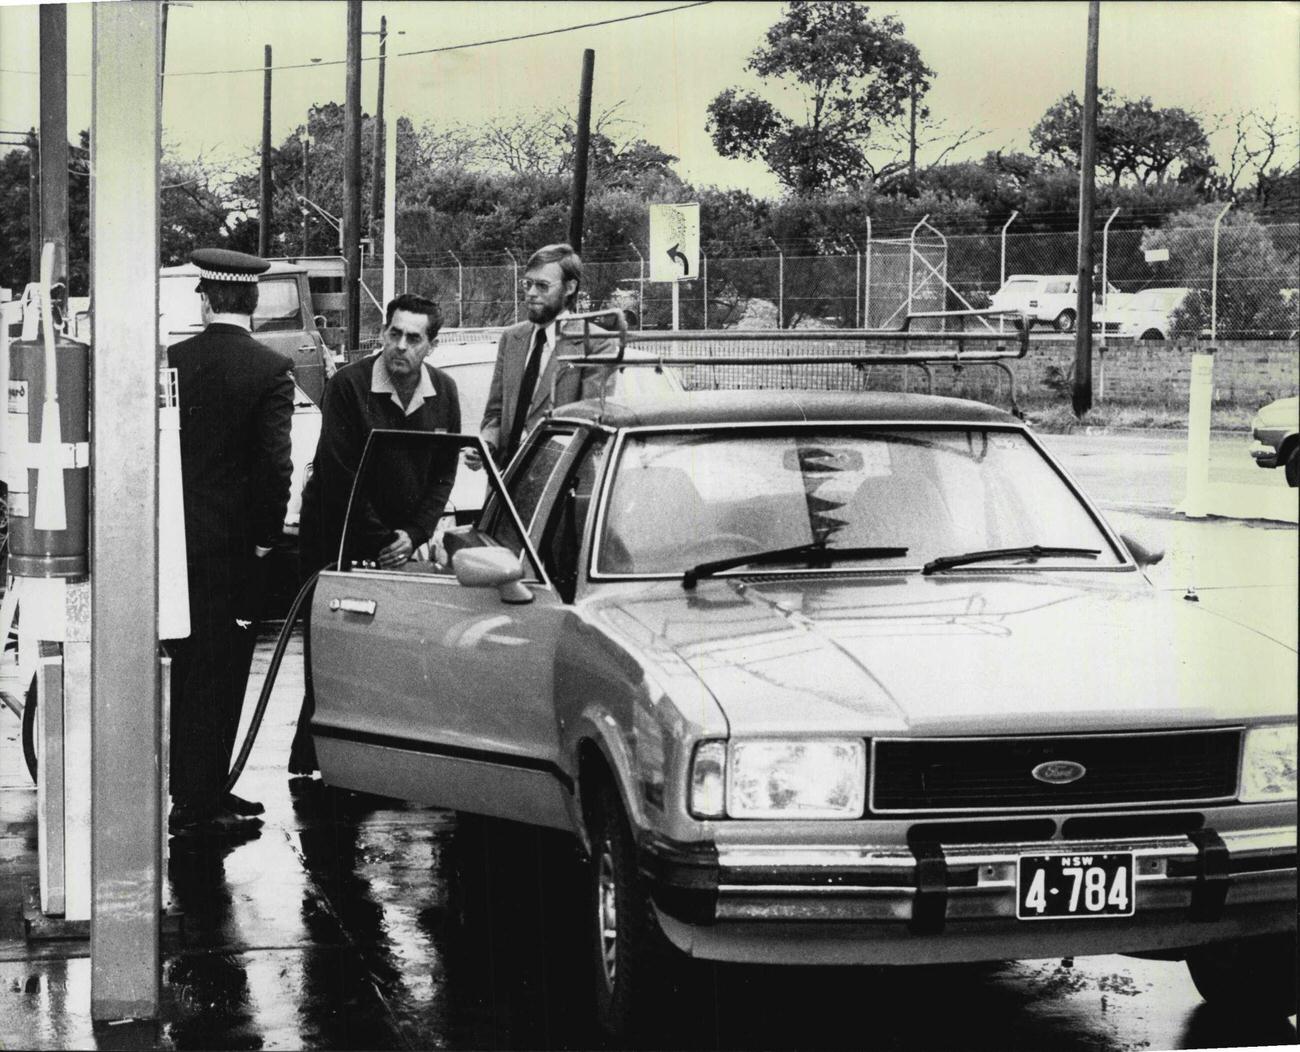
1258,140
1255,272
856,76
1134,138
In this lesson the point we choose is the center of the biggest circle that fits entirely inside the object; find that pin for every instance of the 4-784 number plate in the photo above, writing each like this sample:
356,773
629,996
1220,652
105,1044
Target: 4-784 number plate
1056,886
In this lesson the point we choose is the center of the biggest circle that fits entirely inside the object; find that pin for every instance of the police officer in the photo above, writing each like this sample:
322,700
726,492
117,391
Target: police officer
236,402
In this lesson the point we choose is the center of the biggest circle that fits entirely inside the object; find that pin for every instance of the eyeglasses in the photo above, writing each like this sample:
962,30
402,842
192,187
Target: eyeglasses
528,284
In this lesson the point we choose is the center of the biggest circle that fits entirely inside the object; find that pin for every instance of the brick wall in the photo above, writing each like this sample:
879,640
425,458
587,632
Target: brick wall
1247,373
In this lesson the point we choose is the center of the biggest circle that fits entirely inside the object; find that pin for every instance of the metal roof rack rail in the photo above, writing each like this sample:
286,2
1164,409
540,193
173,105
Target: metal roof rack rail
596,331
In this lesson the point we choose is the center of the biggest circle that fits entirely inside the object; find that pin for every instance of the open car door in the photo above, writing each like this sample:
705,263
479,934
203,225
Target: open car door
434,680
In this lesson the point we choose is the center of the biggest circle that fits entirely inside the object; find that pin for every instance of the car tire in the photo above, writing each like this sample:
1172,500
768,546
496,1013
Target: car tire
1255,976
1153,334
1065,321
1292,466
631,959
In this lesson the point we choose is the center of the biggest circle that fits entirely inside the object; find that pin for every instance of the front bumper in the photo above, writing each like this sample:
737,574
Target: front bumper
1264,456
932,903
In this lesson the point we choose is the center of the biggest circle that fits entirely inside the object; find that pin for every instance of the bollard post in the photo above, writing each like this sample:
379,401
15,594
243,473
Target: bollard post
1200,394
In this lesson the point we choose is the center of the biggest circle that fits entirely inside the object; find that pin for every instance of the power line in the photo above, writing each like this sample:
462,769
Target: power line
422,51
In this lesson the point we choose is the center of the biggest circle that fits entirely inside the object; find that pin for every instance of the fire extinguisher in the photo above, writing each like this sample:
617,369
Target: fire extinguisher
47,445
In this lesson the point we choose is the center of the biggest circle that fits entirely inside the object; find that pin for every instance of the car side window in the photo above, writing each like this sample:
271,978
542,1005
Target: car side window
1057,287
525,486
562,542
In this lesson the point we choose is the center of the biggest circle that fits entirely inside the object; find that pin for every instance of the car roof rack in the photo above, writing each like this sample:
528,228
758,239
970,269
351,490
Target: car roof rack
602,339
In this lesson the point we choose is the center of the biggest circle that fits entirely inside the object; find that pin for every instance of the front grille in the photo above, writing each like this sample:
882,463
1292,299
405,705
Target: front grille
957,774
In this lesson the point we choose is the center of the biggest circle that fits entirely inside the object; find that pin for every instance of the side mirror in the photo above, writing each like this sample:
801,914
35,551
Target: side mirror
320,321
492,568
1142,555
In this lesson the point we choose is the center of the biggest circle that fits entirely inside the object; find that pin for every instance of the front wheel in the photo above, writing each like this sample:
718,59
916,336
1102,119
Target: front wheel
1065,321
631,960
1256,975
1292,467
1153,335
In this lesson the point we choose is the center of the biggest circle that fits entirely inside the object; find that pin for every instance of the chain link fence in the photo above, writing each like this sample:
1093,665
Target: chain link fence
1244,289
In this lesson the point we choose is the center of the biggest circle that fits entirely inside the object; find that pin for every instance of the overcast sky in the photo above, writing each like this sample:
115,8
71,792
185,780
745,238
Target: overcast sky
998,65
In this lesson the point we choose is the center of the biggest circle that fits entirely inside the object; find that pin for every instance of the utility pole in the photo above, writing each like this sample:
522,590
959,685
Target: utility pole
54,136
264,213
580,151
351,226
1082,395
377,149
33,205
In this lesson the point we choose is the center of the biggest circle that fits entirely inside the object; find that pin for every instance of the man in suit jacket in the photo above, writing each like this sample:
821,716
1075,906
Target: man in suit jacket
236,402
526,355
394,390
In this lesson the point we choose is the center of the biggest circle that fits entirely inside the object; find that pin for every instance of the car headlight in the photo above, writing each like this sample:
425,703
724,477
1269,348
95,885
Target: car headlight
1268,764
774,778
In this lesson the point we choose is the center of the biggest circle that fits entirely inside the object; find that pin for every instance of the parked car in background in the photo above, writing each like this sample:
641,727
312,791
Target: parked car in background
1050,298
825,677
1276,444
283,320
1146,315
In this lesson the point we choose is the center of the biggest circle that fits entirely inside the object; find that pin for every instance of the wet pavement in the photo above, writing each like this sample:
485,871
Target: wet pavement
358,922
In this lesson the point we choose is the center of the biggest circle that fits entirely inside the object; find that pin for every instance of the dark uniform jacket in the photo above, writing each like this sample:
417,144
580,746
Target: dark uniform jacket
408,491
236,403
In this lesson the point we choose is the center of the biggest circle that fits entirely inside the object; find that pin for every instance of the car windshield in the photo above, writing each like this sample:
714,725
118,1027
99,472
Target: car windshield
680,499
278,306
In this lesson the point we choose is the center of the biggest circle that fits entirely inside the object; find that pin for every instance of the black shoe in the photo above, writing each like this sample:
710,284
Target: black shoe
239,806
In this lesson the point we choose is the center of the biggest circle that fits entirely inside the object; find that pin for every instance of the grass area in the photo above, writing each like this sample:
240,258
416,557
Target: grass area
1059,418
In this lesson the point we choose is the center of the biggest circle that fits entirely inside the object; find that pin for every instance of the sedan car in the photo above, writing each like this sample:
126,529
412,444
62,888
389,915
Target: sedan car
839,678
1277,443
1145,315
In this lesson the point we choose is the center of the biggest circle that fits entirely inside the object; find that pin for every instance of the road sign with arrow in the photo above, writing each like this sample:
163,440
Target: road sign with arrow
674,242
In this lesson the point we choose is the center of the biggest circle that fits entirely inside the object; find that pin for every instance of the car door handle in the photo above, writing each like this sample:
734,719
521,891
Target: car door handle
355,606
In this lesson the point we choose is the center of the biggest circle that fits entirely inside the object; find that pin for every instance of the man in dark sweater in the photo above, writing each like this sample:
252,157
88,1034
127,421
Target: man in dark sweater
397,390
236,401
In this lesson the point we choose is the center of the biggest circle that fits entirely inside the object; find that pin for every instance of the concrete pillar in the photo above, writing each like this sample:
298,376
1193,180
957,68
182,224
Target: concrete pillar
126,723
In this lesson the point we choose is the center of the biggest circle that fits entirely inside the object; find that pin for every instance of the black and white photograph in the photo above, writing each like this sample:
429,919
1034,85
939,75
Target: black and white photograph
671,524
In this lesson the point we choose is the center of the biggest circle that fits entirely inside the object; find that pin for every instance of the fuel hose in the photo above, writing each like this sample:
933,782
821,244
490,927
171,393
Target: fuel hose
263,699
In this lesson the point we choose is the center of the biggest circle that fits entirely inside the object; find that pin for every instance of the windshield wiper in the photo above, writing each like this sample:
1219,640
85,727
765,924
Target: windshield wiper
816,552
1032,552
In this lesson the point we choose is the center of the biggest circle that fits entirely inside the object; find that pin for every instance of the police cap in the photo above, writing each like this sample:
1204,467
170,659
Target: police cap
221,264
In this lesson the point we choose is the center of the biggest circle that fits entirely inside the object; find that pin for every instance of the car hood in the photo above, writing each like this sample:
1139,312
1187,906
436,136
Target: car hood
965,653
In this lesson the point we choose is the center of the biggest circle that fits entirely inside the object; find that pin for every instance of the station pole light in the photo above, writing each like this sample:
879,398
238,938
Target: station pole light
1082,394
306,185
264,206
351,226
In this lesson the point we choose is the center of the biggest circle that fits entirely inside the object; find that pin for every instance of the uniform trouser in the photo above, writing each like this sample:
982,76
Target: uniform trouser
210,674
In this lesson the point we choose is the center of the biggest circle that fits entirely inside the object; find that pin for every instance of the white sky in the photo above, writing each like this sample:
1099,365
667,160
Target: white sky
999,65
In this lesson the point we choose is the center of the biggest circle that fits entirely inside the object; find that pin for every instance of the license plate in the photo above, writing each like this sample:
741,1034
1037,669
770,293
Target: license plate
1082,885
